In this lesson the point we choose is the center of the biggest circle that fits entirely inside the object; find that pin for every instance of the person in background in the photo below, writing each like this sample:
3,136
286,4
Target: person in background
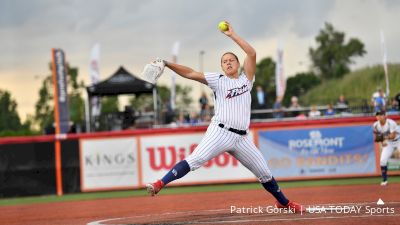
181,120
194,118
379,101
169,113
387,134
278,109
295,107
203,105
397,99
294,103
330,111
377,93
260,98
393,108
342,104
128,120
207,114
314,112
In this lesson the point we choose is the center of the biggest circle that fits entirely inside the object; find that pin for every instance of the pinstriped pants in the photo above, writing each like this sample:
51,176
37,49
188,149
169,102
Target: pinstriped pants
218,140
387,151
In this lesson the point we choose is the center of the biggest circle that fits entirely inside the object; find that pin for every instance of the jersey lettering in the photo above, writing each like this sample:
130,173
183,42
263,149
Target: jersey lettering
237,91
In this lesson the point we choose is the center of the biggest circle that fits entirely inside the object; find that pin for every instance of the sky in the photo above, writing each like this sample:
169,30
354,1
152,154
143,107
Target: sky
131,33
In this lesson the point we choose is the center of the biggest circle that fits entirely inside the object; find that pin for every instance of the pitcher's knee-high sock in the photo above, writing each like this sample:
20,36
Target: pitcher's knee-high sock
273,188
384,172
178,171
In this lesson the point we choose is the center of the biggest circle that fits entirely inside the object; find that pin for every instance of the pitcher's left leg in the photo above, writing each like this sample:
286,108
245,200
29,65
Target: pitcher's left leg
250,156
385,155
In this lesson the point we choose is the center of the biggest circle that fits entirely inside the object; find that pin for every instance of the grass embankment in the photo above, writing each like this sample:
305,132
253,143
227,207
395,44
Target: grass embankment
357,86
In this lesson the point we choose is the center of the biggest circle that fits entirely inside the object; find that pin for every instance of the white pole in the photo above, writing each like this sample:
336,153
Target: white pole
385,64
94,73
280,80
155,105
201,67
175,51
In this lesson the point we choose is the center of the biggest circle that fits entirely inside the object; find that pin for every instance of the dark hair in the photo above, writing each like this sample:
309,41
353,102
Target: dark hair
237,59
381,112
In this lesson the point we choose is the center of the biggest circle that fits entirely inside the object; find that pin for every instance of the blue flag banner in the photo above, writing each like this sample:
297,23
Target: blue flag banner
60,91
344,150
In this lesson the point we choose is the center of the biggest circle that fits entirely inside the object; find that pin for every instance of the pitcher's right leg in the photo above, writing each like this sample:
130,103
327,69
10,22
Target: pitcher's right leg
215,141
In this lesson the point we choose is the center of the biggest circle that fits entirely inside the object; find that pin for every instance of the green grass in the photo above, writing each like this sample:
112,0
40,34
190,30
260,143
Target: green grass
192,189
356,86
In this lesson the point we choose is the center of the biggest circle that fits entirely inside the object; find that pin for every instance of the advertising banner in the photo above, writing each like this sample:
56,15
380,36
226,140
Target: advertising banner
109,163
344,150
160,153
60,91
394,161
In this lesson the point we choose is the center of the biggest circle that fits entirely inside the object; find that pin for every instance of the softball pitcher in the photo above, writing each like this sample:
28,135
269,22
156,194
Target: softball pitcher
229,127
387,133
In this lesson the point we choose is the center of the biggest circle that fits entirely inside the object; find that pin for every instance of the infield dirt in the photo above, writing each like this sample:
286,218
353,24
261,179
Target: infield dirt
215,208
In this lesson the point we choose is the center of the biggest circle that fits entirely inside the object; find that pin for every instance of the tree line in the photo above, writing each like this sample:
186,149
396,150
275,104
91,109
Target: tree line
330,59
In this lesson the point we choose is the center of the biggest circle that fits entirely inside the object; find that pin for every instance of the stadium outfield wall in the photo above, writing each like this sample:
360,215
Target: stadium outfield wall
295,150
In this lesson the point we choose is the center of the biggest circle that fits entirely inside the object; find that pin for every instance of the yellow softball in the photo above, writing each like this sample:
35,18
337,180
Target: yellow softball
223,26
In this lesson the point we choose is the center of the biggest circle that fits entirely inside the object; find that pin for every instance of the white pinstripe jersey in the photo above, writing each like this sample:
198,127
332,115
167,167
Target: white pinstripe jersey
232,100
389,127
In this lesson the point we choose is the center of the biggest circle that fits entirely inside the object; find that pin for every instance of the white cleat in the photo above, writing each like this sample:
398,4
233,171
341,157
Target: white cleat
150,189
154,188
384,183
